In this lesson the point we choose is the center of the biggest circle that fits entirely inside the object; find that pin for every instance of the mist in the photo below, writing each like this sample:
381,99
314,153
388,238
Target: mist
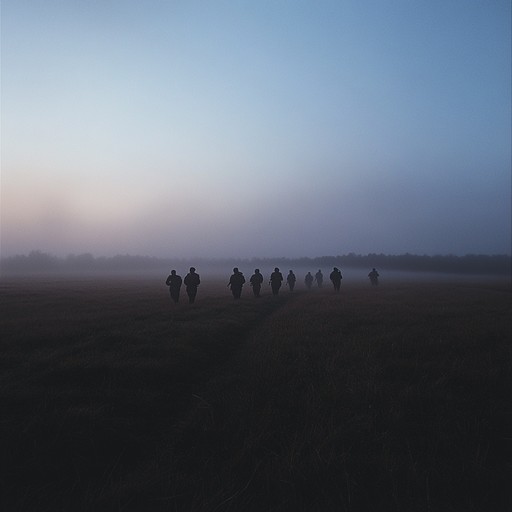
354,267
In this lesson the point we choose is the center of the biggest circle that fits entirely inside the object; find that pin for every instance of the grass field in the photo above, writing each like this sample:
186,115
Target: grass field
395,398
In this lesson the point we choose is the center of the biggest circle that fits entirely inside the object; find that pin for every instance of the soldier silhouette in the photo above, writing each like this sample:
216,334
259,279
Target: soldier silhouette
256,280
174,283
276,278
290,279
192,281
236,281
308,280
336,278
319,278
374,277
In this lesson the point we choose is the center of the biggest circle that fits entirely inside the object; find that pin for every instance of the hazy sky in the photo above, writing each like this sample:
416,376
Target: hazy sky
256,128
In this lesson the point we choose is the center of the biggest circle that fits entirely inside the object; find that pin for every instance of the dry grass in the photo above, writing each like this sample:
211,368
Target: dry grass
395,398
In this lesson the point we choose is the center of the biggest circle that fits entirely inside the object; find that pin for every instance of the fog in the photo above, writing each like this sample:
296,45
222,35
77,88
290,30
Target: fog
354,268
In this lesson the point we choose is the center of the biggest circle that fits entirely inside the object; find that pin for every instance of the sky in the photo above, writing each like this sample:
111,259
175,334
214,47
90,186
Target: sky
255,129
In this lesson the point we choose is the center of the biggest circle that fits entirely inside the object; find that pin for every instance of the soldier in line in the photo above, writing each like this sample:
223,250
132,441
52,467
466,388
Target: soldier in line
174,283
308,280
256,280
290,279
374,277
192,281
319,278
276,278
336,278
236,281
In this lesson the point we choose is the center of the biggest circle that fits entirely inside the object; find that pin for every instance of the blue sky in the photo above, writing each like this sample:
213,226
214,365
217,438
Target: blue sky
272,128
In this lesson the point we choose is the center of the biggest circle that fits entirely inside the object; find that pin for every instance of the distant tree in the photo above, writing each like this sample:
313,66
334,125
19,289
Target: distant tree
37,261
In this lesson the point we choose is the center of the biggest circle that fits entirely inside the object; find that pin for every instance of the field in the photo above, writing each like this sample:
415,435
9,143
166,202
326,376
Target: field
394,398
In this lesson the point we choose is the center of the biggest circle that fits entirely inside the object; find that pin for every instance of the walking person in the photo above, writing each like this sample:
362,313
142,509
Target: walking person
308,280
290,279
192,281
374,277
276,279
236,282
319,278
336,278
174,283
256,280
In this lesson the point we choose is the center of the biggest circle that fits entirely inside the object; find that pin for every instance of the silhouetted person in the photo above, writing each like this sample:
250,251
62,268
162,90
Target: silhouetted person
308,280
256,281
276,278
290,279
192,281
374,277
236,281
336,278
319,278
174,284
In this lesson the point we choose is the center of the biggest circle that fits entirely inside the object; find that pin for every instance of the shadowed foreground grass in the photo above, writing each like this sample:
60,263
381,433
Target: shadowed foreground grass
395,398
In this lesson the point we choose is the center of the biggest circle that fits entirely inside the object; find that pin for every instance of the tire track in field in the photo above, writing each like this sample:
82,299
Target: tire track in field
238,329
199,434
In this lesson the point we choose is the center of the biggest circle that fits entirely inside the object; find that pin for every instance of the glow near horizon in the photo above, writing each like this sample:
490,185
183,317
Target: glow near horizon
277,129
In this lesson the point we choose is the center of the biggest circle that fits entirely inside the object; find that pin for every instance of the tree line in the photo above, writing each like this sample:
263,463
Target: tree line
37,261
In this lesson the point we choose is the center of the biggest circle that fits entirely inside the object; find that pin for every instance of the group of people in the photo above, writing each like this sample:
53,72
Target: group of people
237,281
191,282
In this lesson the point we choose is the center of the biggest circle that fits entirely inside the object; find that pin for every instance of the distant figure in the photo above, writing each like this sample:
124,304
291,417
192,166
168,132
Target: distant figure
192,281
319,278
236,281
290,279
336,278
276,278
374,277
174,284
256,280
308,280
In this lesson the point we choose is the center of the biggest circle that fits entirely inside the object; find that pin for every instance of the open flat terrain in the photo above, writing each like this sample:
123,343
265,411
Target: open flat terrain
394,398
